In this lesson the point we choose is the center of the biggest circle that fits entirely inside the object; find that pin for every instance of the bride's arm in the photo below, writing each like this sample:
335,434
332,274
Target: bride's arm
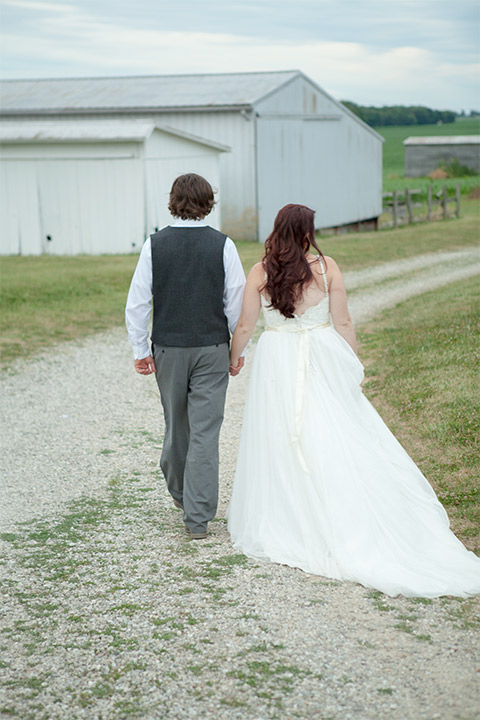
249,316
338,305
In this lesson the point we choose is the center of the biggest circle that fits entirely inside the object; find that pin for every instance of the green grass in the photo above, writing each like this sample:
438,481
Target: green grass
51,299
422,375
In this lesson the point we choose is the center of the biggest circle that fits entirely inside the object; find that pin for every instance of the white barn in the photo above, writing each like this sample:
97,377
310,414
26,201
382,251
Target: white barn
289,140
70,187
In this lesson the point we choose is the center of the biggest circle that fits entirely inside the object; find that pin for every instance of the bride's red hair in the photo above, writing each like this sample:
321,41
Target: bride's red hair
285,262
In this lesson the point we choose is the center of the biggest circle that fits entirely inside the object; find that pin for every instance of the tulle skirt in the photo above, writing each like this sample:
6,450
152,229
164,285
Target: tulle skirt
322,484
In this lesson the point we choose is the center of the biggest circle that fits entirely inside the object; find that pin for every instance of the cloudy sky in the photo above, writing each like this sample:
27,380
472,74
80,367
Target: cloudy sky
373,52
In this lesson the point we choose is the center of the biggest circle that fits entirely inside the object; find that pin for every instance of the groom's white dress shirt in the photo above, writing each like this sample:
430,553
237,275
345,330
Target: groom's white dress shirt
139,301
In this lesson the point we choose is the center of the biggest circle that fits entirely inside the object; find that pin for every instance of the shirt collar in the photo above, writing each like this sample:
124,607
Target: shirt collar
188,223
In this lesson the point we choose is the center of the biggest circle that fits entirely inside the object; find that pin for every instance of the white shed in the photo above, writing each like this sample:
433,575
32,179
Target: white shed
290,141
69,187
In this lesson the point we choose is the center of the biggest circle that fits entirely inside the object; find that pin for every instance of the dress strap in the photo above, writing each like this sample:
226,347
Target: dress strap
324,275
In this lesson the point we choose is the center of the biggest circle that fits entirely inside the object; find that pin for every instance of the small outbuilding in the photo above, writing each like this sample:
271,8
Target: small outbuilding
93,186
423,155
289,140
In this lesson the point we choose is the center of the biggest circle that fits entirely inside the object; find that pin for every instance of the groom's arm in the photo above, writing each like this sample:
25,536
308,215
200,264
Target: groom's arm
137,311
234,284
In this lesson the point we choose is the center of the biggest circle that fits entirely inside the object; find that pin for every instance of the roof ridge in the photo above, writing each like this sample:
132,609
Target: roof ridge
139,77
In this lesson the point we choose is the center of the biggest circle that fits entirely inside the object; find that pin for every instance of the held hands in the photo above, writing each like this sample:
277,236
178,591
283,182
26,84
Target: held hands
235,369
145,366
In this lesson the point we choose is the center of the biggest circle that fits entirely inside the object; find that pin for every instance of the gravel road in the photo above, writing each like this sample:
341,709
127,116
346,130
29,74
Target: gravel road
110,613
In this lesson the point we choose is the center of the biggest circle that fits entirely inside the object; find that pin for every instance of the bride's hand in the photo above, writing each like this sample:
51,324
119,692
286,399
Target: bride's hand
235,369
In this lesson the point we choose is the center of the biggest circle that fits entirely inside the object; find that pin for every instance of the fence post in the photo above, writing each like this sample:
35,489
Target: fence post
458,199
409,205
429,201
395,209
444,202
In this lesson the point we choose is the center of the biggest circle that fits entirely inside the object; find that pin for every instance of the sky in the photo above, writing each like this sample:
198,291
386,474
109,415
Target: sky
372,52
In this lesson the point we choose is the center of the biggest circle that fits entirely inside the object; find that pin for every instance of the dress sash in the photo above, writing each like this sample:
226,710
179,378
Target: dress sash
303,363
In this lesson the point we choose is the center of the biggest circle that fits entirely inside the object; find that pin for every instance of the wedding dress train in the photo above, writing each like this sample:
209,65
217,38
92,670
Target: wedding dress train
322,484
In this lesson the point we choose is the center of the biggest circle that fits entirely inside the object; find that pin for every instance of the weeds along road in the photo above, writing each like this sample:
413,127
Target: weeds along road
78,414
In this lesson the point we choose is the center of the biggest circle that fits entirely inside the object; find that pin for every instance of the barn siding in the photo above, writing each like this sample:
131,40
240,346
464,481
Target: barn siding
236,184
332,163
94,197
420,160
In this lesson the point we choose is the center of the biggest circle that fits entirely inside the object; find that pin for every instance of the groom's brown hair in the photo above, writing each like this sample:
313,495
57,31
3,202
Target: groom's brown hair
191,197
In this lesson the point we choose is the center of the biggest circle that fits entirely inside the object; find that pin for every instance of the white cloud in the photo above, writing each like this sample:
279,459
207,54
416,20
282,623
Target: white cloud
39,6
73,43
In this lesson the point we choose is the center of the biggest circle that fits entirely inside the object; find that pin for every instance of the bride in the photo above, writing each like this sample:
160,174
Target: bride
321,484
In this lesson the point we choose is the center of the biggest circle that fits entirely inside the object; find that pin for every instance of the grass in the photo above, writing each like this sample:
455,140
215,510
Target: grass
47,300
422,375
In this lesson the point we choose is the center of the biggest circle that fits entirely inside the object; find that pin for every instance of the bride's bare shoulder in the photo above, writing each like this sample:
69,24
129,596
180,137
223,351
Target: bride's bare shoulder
257,270
257,274
332,265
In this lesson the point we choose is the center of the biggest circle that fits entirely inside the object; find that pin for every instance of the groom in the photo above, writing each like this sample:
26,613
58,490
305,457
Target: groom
194,275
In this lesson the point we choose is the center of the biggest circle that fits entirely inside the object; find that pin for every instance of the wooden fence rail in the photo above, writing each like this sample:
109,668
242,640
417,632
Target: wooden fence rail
402,202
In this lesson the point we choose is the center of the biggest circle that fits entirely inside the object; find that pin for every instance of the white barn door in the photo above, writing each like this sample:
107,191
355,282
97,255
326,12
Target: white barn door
91,206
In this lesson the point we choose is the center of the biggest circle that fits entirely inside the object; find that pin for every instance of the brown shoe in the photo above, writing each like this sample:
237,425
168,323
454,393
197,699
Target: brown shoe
195,535
177,504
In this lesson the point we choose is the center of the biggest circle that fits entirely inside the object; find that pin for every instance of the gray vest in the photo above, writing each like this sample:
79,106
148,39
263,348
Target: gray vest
188,286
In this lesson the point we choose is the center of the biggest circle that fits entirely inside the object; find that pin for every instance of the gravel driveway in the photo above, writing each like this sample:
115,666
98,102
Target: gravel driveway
109,612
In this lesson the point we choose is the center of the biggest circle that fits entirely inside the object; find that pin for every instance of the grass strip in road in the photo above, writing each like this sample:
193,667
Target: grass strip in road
46,300
422,376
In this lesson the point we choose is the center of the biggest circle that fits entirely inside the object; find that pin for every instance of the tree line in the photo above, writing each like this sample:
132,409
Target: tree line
400,114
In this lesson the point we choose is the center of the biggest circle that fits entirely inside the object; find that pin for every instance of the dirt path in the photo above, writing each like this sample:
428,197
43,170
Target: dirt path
109,612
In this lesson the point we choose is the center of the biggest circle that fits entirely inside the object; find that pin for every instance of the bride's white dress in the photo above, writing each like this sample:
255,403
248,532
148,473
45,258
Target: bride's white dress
322,484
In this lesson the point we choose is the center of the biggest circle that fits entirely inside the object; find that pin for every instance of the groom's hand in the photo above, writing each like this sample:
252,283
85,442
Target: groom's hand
235,369
145,366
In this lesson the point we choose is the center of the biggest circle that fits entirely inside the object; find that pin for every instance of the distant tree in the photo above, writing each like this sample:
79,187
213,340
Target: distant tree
400,114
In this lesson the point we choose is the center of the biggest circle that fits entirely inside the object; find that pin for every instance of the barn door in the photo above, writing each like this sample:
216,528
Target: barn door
59,212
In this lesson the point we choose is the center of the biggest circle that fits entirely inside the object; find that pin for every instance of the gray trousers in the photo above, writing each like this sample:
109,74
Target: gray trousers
192,383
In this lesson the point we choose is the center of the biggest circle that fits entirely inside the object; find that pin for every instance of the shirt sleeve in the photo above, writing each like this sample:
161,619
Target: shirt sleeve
234,284
139,304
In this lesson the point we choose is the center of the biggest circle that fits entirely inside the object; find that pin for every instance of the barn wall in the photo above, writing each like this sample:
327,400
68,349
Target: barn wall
420,160
236,184
332,165
167,157
237,168
83,202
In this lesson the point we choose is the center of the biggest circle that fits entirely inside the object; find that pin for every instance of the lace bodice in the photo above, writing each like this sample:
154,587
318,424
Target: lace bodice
313,316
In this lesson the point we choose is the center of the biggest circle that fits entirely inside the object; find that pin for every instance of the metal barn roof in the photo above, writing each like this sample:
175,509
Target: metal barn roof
91,131
444,140
139,93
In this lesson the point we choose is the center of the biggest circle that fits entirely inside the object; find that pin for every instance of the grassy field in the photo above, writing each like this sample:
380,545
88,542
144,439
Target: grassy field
422,375
47,299
393,154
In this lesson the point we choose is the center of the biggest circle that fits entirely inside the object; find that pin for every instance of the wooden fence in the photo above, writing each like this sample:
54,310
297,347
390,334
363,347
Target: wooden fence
401,203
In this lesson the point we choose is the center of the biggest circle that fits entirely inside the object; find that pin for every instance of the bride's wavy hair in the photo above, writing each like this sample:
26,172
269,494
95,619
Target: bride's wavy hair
285,262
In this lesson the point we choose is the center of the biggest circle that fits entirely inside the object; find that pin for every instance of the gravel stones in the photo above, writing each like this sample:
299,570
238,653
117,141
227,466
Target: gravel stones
110,611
